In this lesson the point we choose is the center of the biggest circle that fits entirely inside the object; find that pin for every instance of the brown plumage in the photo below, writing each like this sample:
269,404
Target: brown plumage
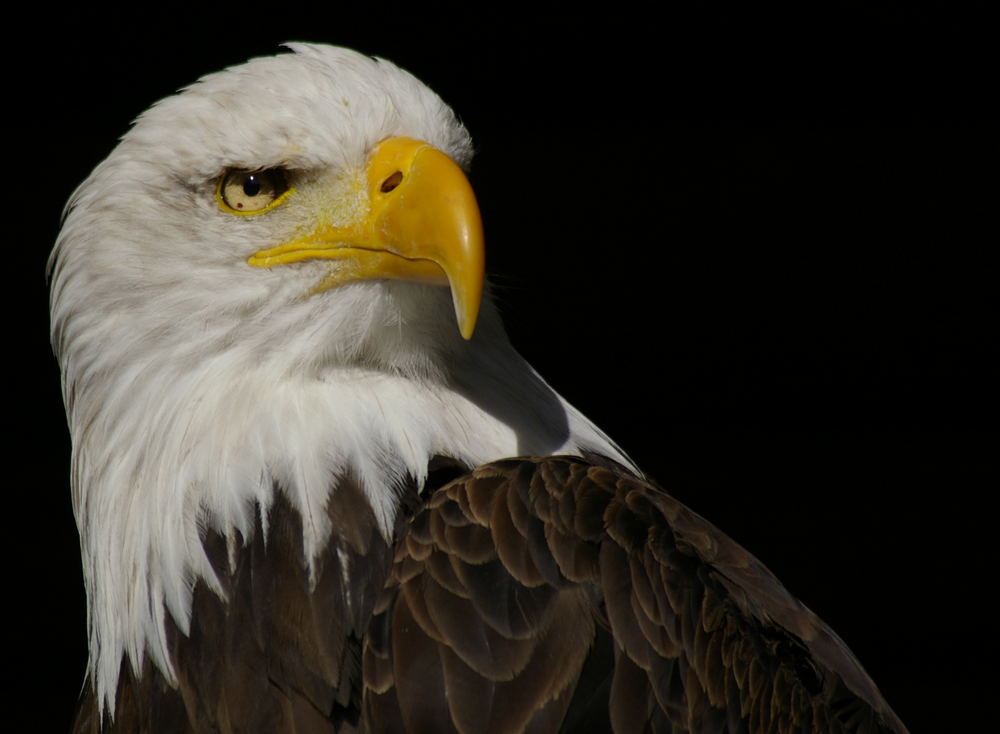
529,595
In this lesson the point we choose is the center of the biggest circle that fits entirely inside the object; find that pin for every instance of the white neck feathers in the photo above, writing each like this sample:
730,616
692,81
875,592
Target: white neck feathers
165,456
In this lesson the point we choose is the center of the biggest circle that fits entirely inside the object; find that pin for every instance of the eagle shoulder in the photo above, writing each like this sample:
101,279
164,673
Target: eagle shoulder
566,593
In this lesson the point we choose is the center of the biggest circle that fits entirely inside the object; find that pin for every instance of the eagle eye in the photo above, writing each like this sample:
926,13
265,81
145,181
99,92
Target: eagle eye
251,192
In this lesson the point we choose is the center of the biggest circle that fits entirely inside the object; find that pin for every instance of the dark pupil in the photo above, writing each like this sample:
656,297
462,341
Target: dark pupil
251,186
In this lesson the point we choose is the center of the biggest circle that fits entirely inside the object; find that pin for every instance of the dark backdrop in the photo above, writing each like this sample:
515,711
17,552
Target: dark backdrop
753,246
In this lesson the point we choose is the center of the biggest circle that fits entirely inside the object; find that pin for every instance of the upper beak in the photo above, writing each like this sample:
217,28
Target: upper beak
423,225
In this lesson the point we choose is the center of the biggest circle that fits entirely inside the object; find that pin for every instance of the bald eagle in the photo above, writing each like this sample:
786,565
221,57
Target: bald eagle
318,490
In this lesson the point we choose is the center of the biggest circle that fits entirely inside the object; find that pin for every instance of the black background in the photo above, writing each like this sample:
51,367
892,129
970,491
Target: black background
754,246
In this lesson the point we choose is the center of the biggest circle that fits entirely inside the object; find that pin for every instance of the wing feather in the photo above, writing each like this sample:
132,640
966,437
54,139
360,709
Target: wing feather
575,588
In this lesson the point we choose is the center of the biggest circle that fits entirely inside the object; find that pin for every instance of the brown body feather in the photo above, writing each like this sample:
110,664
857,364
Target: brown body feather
530,595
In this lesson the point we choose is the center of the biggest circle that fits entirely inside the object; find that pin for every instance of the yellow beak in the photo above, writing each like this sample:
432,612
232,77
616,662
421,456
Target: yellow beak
423,225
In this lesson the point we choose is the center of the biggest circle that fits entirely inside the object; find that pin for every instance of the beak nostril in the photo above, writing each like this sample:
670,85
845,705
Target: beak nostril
392,182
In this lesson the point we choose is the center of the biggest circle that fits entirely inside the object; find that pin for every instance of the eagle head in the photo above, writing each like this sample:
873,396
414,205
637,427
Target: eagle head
296,194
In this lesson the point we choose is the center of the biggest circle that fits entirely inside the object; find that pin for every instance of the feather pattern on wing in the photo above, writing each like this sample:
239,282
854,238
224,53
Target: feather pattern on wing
703,637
